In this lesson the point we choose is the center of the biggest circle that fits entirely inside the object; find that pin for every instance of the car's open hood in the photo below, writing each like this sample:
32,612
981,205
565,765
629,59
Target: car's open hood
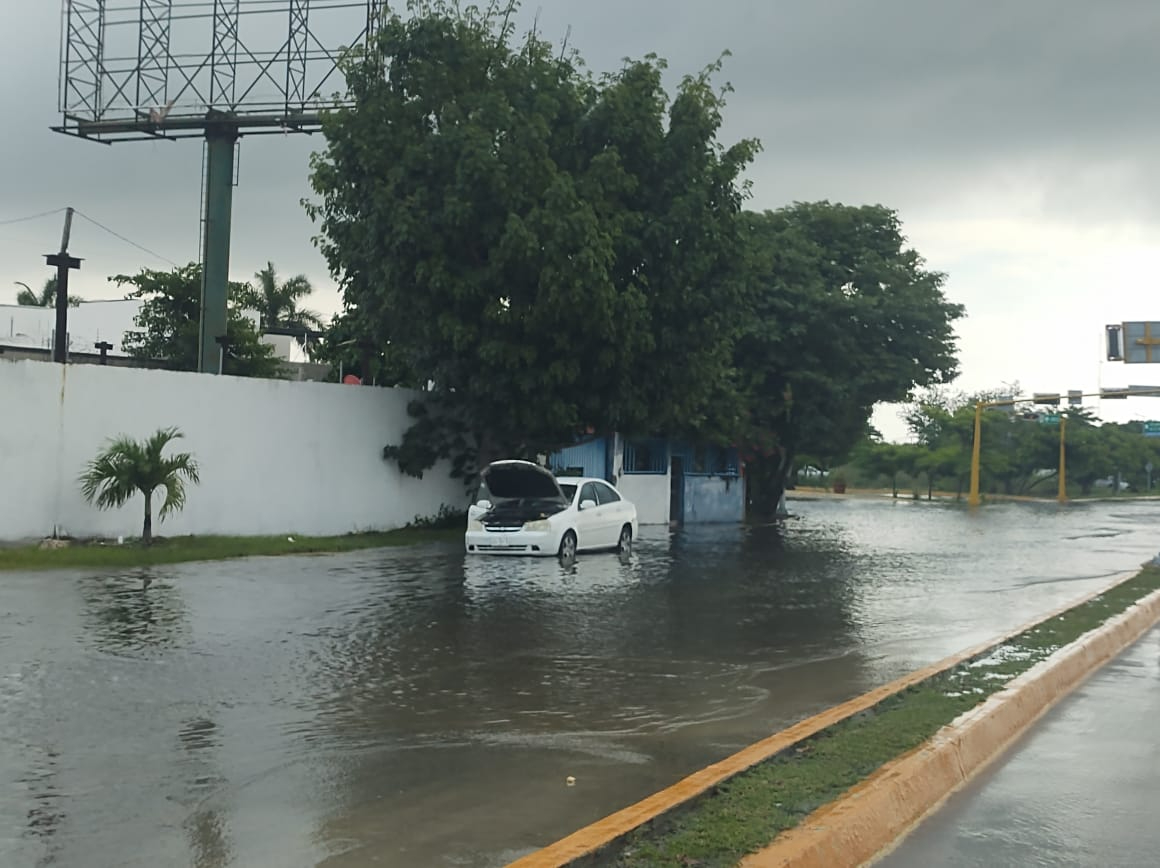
521,479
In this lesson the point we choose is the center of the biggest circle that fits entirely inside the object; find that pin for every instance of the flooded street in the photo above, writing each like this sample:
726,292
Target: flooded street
414,707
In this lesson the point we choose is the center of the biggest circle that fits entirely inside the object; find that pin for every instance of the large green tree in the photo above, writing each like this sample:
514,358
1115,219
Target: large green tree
551,250
169,321
841,315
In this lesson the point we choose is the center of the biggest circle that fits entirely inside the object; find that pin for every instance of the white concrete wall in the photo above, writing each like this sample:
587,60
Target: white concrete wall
650,493
275,456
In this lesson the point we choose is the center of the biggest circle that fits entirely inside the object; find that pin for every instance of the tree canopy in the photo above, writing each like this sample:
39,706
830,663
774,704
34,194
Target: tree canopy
550,249
548,252
840,315
169,321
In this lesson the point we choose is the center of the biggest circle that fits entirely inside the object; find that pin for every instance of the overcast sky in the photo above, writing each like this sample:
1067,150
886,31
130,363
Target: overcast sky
1017,140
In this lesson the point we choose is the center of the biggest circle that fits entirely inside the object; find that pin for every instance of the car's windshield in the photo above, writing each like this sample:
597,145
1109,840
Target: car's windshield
569,489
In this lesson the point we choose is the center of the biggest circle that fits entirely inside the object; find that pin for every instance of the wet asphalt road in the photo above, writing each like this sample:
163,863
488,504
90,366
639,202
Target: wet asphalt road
1079,789
418,708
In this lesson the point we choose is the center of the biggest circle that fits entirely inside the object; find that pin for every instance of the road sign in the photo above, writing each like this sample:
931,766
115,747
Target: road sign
1141,342
1050,419
1115,343
1152,429
1075,397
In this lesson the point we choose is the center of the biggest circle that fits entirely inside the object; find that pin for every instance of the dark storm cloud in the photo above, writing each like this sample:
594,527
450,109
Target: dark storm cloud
910,103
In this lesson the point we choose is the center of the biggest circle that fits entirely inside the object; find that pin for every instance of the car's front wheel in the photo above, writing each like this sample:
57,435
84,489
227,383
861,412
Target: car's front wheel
568,546
625,543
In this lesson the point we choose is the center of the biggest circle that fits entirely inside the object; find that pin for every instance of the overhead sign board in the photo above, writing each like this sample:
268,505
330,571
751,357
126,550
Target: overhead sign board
1049,419
1152,429
1141,343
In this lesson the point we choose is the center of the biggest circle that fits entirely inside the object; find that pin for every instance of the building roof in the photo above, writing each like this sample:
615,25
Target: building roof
89,323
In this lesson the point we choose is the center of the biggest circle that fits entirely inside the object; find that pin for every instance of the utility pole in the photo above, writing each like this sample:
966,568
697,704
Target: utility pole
976,448
1063,459
64,263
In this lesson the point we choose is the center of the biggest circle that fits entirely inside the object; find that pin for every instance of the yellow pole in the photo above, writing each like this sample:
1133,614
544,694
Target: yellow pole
1062,459
973,498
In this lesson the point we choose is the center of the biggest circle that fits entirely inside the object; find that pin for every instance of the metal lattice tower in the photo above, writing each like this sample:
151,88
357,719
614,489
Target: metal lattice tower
139,70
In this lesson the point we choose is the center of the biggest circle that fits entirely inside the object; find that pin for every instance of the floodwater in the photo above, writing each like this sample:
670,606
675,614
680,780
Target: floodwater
414,707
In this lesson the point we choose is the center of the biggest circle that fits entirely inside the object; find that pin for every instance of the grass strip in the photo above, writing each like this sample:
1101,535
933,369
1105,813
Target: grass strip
172,550
747,812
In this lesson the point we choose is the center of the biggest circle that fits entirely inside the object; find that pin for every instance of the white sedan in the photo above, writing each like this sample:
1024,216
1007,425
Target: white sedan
524,510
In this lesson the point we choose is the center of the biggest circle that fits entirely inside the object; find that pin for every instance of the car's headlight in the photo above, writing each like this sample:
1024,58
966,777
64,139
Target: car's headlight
473,525
541,526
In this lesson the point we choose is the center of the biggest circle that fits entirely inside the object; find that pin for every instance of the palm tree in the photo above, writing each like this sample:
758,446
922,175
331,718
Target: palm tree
127,466
46,298
277,303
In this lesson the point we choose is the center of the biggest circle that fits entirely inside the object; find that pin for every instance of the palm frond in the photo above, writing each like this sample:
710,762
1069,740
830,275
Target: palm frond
110,479
173,469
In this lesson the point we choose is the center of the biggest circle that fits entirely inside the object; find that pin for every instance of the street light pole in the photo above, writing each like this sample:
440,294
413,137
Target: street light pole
1063,459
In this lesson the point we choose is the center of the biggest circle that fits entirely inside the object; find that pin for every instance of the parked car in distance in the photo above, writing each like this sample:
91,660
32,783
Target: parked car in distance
523,509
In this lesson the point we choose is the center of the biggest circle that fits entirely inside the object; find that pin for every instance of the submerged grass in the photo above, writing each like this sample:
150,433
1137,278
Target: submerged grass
747,812
172,550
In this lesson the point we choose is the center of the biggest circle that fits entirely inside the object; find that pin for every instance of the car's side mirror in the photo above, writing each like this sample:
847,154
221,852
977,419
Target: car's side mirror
484,504
587,504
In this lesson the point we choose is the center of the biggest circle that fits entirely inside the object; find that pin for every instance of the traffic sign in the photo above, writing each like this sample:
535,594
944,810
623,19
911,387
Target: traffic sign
1053,419
1152,429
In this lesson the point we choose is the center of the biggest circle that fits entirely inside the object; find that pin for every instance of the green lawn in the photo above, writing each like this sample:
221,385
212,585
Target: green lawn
747,812
172,550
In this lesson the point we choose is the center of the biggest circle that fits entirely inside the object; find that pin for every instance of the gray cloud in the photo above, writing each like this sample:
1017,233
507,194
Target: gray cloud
909,103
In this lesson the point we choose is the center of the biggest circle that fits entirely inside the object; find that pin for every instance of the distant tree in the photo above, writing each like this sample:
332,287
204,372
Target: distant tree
277,301
169,323
127,466
47,296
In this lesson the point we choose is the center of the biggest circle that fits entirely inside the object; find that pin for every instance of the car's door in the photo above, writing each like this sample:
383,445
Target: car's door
588,523
612,513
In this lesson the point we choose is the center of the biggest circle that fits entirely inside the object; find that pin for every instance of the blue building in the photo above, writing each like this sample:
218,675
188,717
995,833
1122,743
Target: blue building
669,481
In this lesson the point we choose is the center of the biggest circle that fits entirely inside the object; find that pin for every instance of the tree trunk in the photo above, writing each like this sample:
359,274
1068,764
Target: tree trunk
147,529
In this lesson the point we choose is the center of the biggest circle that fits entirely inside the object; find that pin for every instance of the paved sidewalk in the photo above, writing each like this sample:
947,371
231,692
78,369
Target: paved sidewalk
1081,788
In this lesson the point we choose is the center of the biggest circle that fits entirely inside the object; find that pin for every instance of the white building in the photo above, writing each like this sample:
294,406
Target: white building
89,323
92,322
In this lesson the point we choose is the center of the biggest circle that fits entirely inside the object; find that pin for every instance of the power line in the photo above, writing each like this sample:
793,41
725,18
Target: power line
126,240
31,217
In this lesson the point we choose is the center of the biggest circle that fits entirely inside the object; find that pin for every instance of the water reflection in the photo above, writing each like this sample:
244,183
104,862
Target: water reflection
133,611
418,707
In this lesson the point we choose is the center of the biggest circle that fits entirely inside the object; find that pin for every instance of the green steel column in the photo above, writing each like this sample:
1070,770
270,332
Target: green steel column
215,259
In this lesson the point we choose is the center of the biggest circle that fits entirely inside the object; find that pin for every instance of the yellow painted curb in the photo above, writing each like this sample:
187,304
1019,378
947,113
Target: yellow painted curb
596,836
874,816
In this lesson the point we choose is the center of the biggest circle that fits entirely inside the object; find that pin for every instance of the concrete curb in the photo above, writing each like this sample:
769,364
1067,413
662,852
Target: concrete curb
588,841
873,817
